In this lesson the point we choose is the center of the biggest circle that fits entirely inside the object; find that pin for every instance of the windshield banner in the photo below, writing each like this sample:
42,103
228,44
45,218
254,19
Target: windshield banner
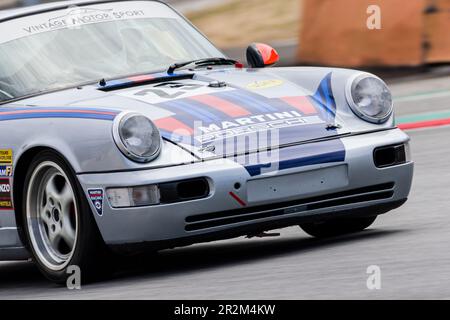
76,17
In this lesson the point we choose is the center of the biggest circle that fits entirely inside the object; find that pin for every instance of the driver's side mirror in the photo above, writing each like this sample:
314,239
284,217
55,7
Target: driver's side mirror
260,55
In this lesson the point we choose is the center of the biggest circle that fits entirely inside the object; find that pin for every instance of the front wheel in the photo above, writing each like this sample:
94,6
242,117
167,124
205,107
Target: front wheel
59,226
337,227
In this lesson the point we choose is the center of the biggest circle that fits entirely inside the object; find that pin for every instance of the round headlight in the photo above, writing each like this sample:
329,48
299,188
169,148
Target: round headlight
137,137
370,98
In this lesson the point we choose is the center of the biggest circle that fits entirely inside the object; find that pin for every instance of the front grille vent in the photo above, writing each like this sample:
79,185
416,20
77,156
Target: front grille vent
217,219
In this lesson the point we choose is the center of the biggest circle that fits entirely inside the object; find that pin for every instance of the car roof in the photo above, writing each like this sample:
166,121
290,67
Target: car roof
21,12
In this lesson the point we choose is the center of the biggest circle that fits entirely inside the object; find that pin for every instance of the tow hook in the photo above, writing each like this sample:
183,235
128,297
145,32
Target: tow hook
263,235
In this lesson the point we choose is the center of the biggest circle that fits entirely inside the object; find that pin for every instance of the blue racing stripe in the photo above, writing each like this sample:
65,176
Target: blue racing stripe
183,109
324,99
196,106
257,100
299,156
246,103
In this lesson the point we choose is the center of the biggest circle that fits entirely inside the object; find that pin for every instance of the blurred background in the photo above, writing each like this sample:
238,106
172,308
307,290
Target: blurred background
411,35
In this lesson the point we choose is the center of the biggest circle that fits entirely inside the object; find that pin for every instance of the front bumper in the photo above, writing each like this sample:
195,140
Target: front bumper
355,186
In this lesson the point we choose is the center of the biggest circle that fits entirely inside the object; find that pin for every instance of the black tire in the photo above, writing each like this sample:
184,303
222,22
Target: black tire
337,227
88,252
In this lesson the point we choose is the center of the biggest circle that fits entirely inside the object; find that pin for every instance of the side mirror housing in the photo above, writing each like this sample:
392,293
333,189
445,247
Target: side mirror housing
260,55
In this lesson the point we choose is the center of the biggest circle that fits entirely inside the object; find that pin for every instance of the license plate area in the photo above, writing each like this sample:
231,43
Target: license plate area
294,185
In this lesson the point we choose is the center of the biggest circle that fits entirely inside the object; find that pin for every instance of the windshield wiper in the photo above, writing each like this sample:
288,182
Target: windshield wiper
201,62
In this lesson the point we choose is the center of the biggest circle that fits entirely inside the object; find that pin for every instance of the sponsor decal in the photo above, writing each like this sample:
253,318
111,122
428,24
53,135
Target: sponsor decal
6,171
258,123
6,157
5,195
265,84
5,188
97,197
6,161
6,205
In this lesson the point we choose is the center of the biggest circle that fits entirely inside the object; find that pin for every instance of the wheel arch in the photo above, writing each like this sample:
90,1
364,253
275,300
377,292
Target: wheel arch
20,173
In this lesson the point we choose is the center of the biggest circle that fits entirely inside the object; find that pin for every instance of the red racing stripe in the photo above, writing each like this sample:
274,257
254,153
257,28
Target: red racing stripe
424,124
239,200
141,78
173,125
301,103
222,105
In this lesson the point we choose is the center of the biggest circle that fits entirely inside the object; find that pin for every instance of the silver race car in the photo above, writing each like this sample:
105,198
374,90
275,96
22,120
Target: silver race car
123,129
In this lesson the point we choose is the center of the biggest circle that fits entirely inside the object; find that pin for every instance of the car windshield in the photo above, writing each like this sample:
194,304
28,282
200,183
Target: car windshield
67,48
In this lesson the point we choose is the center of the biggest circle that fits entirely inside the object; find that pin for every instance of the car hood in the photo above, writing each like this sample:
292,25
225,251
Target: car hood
229,111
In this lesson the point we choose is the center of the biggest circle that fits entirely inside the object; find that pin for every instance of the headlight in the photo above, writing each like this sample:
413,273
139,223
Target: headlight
137,137
370,98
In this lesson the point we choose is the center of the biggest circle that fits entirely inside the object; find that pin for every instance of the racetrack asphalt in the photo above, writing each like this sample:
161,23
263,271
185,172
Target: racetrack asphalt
410,244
